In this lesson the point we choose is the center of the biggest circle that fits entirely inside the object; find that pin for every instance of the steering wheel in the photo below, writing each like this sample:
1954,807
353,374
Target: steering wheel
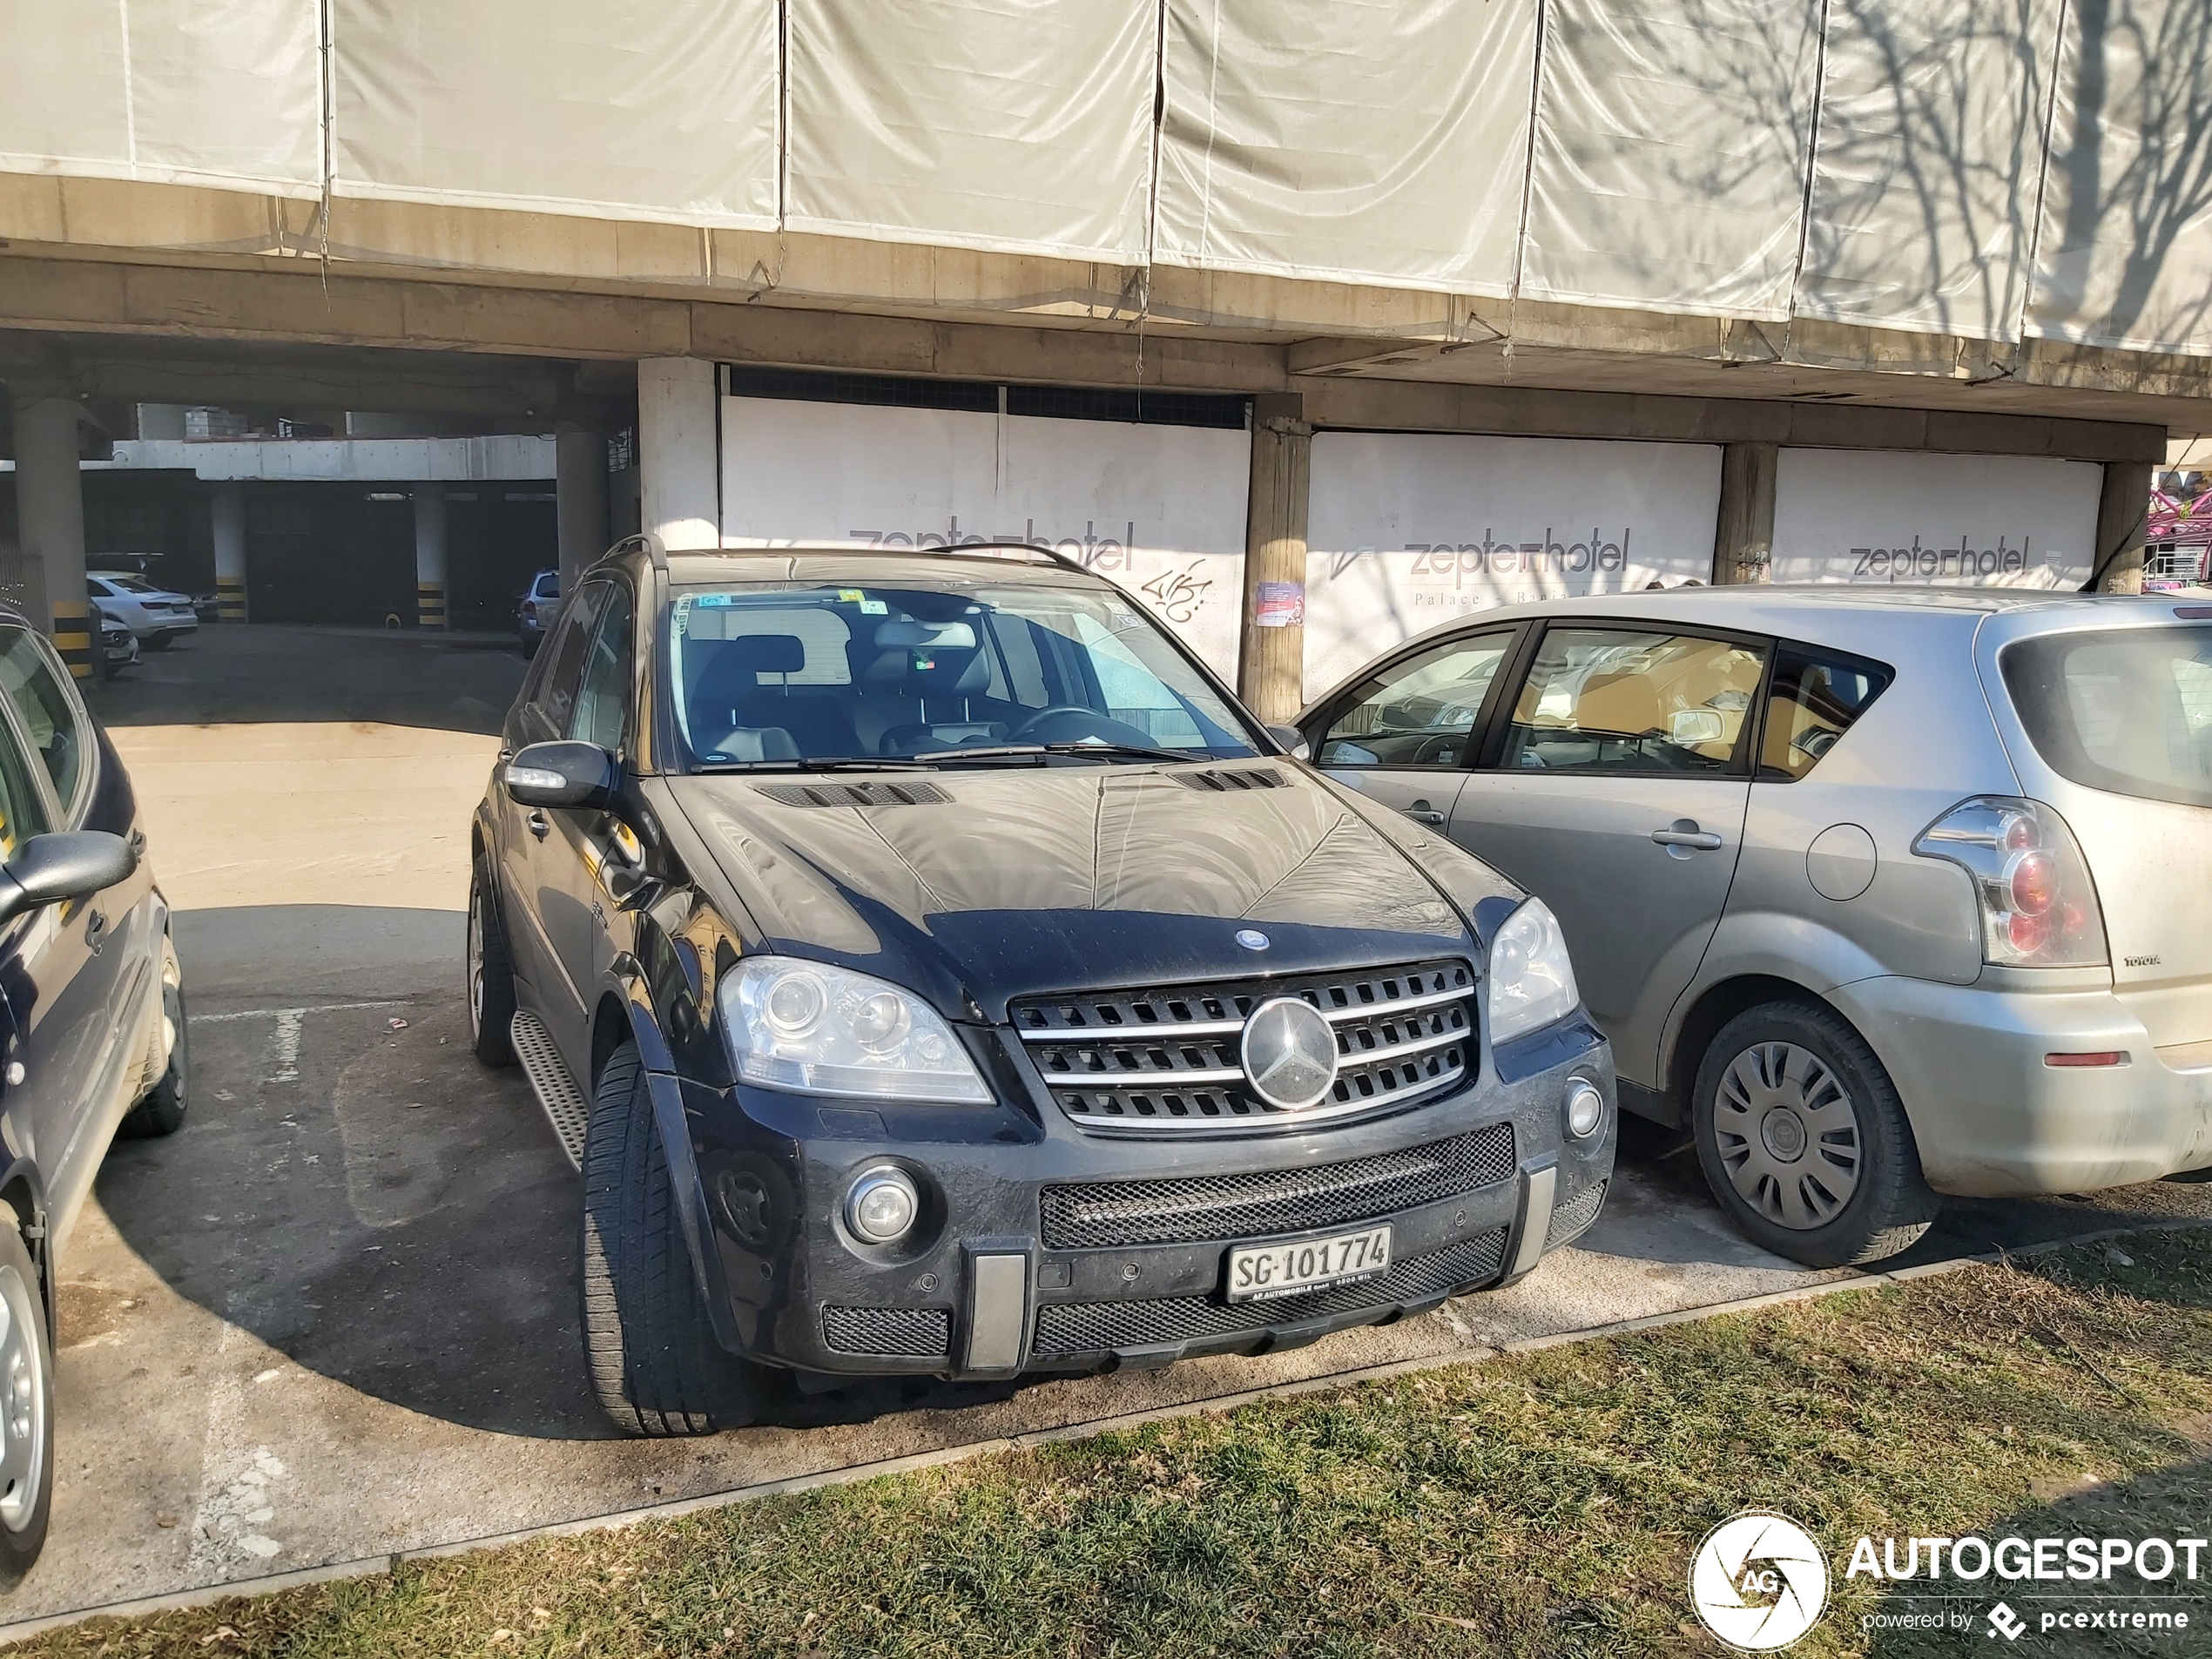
1043,715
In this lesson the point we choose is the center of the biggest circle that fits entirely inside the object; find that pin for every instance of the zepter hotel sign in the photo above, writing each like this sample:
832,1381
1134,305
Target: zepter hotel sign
1158,509
1871,517
1409,531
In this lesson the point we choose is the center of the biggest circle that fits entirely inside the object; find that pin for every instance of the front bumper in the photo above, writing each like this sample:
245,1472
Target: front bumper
1992,1119
990,1290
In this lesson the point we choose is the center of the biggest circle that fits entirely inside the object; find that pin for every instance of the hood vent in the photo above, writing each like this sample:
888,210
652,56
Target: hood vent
1227,783
913,794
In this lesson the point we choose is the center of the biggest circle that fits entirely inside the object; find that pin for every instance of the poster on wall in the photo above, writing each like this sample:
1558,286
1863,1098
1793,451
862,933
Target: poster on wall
1934,520
1407,531
1158,509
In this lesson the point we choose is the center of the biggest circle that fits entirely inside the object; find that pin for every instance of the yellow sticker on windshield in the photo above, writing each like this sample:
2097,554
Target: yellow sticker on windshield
850,595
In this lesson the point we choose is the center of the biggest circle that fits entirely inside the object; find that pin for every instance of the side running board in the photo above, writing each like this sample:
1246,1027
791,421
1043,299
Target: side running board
565,1106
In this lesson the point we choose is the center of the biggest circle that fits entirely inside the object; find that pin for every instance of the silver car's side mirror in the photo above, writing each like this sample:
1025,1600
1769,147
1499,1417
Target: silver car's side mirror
1292,740
68,864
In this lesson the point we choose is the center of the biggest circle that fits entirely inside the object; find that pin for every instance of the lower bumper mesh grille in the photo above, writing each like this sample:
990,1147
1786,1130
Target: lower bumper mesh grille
1105,1215
896,1334
1093,1327
1573,1216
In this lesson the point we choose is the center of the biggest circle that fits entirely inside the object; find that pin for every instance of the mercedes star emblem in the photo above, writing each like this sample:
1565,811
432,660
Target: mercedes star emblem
1290,1054
1252,939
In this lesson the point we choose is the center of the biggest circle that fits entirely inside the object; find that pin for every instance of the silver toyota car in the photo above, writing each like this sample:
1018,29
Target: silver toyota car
1882,894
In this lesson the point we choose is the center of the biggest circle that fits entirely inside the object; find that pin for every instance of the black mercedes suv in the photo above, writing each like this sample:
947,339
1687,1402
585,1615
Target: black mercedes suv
934,970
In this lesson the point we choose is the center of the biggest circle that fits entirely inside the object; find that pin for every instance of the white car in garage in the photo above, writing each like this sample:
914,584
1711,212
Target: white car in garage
154,615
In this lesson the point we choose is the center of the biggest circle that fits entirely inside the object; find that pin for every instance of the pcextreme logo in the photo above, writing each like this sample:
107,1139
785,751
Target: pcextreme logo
1759,1581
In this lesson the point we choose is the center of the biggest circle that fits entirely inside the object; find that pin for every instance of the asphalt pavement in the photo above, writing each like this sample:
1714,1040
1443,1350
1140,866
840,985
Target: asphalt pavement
335,1316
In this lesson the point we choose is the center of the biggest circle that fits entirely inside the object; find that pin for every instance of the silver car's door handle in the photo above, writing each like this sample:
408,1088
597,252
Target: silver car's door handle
1422,812
1704,841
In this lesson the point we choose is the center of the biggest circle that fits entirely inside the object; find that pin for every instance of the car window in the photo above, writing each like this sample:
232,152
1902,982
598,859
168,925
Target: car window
50,717
96,589
601,703
23,813
556,693
2124,710
1816,695
549,586
1616,699
1419,711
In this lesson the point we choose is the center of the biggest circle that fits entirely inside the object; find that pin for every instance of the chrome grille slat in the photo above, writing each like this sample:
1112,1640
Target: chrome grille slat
1166,1059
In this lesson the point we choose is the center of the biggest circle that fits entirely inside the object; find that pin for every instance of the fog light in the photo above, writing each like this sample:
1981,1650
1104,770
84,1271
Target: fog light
881,1205
1585,1108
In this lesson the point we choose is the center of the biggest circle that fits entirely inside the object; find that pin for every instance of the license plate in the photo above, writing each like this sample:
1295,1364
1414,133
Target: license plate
1258,1272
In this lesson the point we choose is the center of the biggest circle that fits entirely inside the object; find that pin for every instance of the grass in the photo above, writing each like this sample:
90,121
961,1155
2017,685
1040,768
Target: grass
1544,1505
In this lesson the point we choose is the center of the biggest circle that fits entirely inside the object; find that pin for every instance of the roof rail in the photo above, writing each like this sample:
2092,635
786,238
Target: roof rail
654,550
1035,554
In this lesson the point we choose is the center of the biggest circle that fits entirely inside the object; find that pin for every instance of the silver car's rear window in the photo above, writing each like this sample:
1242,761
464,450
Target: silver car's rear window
2127,710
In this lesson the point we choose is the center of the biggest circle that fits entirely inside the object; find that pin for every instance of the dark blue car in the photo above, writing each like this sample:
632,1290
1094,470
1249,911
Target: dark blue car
92,1029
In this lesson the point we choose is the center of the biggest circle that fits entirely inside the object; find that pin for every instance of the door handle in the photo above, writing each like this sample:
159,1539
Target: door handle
539,823
1683,832
95,931
1422,812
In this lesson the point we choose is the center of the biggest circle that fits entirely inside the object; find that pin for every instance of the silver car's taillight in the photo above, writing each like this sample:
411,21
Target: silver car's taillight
2038,906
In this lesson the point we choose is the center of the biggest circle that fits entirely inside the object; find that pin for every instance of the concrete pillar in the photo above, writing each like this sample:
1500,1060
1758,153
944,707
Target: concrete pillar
430,555
679,472
49,519
226,507
2122,510
1744,539
580,501
1272,669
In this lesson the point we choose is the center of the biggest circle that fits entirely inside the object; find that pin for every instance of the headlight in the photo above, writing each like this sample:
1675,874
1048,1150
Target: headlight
1532,983
824,1030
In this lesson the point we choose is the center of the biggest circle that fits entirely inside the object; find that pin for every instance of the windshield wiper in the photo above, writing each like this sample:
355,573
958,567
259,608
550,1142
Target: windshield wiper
1037,752
909,763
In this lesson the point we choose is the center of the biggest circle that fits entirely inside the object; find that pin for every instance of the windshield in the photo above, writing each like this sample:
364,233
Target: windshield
781,672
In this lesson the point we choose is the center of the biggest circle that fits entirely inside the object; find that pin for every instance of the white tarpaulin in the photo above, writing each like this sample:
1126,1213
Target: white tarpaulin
1934,521
2125,254
1159,509
170,91
610,108
1020,126
1405,531
1380,141
1930,145
1671,144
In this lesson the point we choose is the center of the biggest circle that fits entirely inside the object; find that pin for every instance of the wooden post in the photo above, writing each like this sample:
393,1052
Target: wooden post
1272,669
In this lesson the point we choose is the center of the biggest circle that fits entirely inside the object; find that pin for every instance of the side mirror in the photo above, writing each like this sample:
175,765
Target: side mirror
1292,740
69,864
560,774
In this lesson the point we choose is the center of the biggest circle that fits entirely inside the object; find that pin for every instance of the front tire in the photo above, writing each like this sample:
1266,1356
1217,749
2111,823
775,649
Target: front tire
26,1412
160,1110
654,1364
1804,1142
490,975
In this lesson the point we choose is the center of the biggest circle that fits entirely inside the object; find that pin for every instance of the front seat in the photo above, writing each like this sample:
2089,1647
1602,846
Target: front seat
730,712
942,677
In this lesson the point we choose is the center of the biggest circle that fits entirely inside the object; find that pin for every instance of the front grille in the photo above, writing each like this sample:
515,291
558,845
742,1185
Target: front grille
1105,1215
1066,1328
894,1333
1573,1217
1166,1057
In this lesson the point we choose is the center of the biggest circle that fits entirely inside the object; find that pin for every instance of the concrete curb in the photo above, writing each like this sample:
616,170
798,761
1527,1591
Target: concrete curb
369,1566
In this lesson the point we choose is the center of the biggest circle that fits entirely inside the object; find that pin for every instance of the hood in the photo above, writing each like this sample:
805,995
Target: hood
1035,879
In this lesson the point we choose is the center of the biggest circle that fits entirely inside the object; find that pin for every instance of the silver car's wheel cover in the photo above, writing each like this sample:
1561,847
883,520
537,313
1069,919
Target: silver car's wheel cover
22,1402
475,963
1788,1135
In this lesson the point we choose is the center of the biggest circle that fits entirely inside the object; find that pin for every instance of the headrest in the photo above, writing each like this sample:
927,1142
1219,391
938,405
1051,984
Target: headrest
1627,704
953,636
937,670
